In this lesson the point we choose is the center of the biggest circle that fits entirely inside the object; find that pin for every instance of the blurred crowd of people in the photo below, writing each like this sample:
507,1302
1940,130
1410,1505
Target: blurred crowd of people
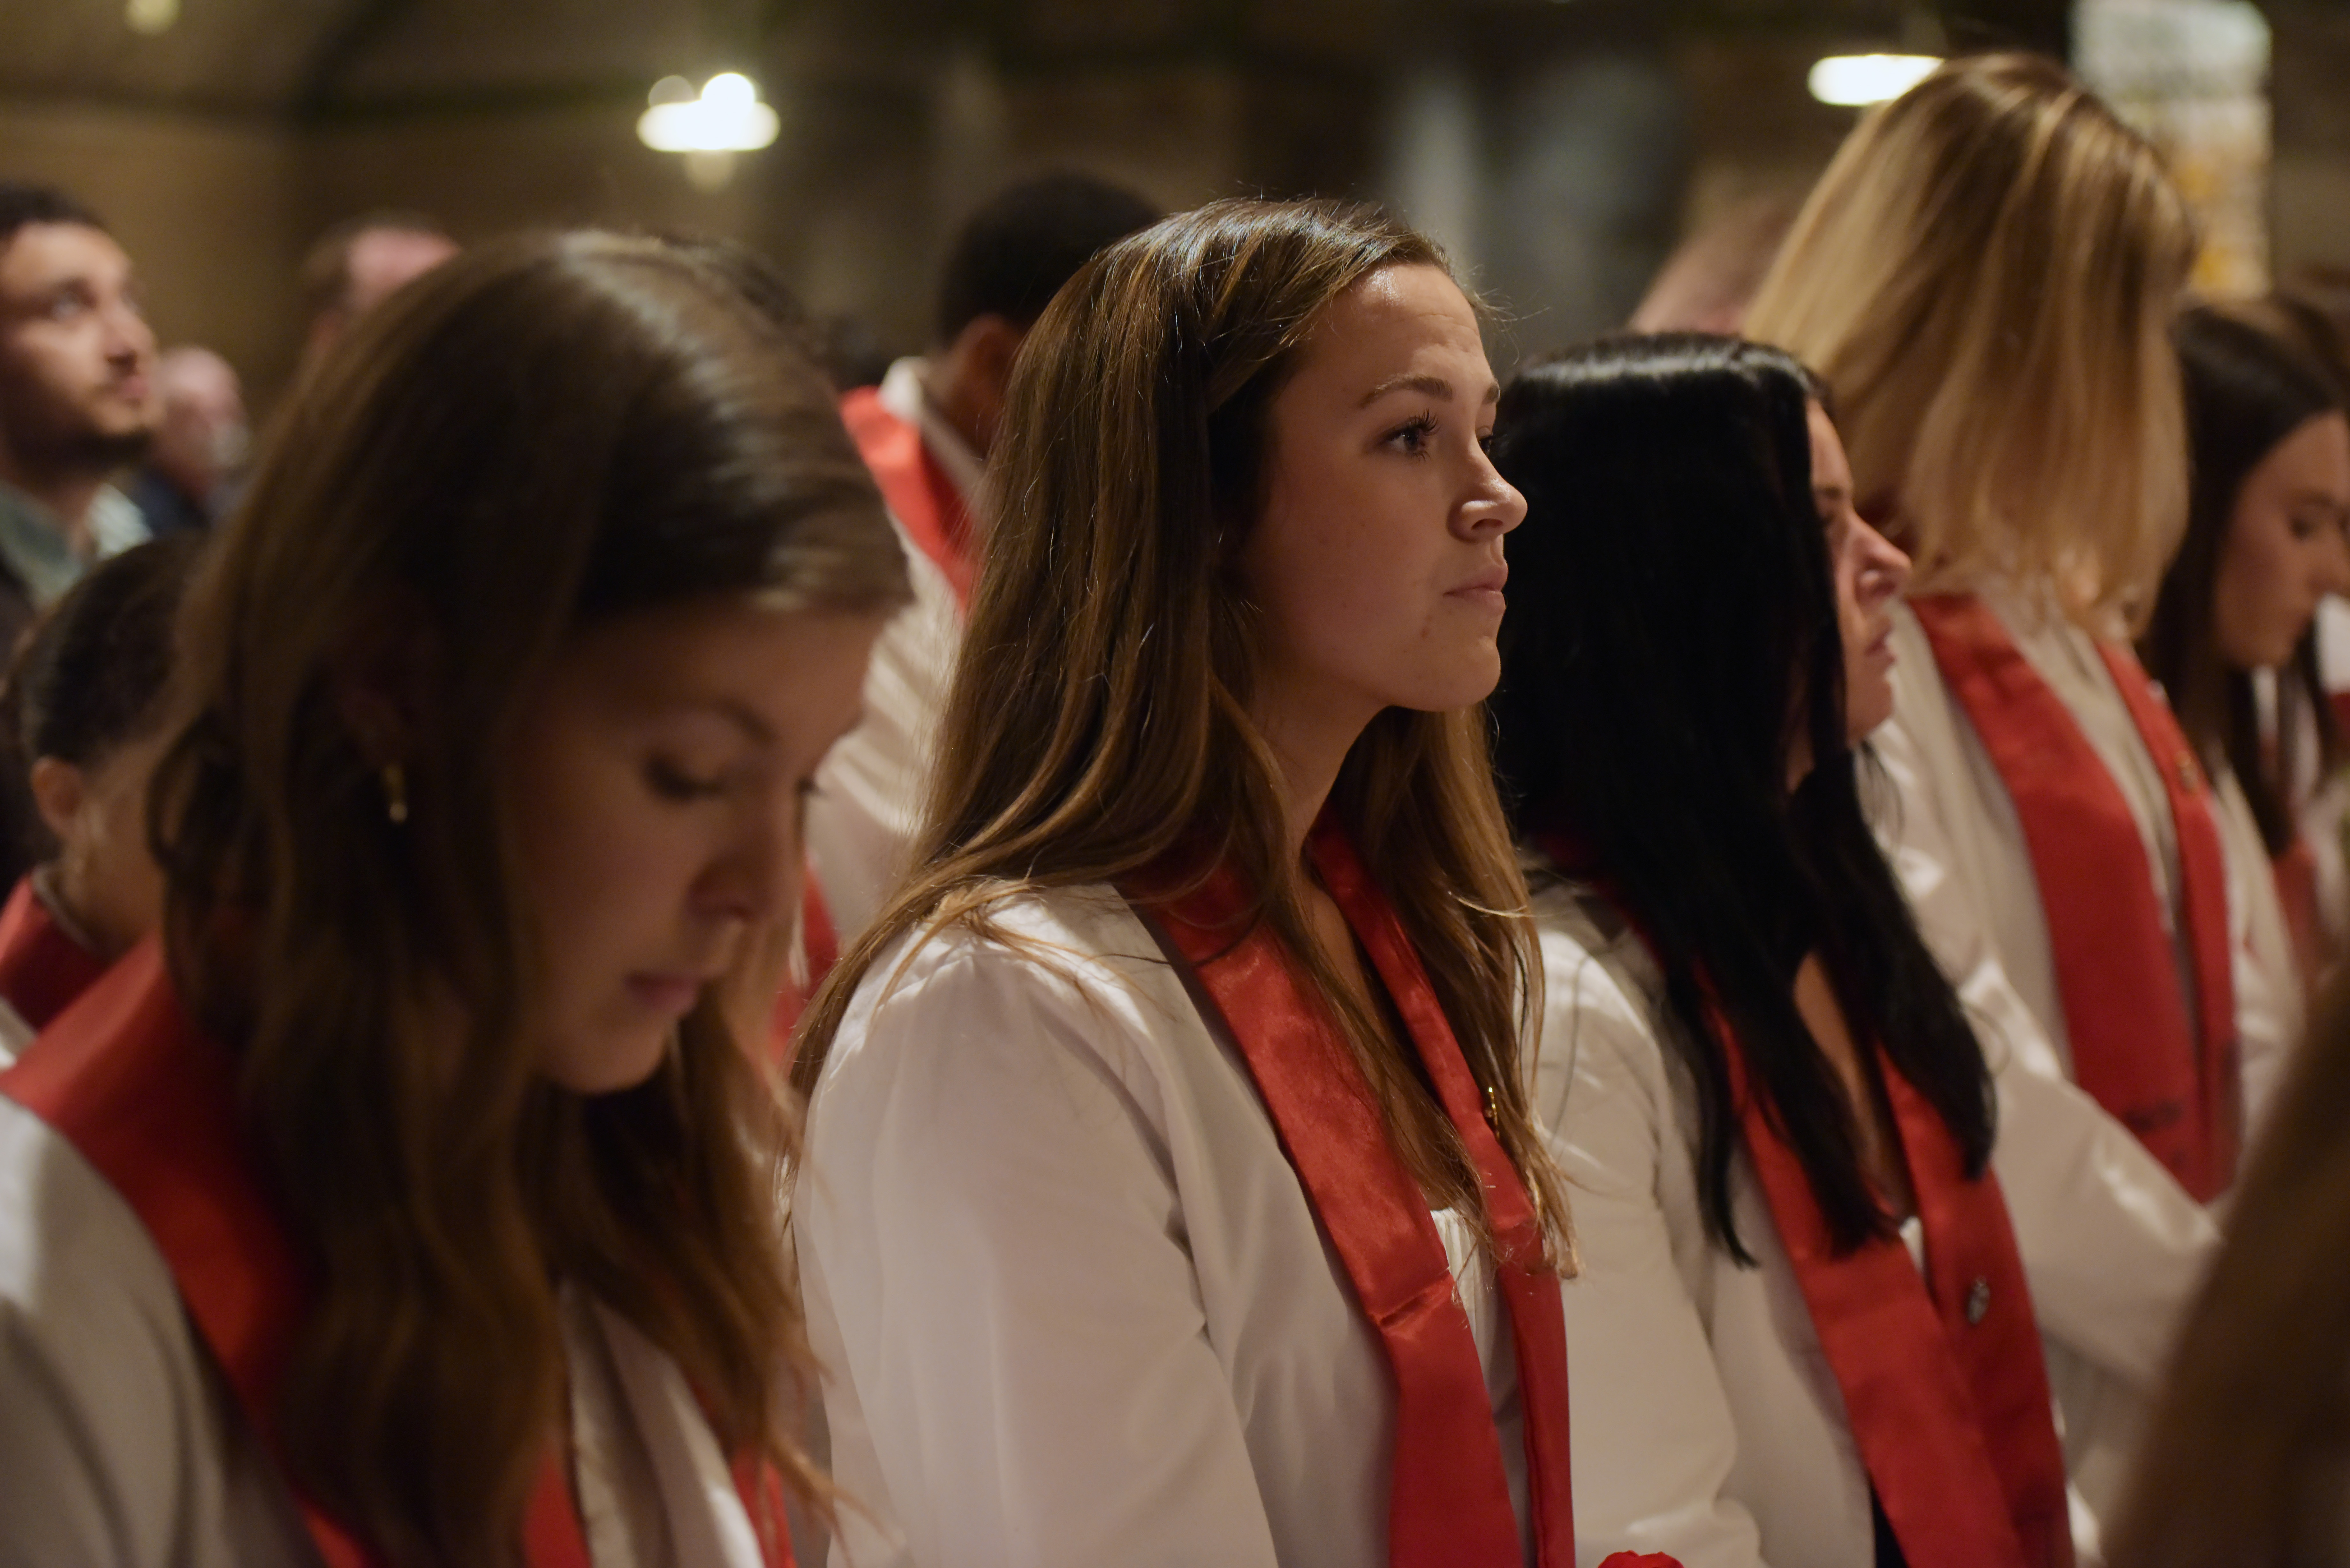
1126,944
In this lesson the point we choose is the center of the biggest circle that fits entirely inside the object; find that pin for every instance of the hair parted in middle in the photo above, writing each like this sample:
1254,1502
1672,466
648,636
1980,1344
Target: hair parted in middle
545,435
1672,645
1986,273
1100,723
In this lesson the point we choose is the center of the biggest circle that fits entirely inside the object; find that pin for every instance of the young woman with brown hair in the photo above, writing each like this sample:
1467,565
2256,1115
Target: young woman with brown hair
413,1200
2266,526
1986,274
1171,1192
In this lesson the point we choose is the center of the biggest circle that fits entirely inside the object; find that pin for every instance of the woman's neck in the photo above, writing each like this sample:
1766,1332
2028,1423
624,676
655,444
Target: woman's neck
1309,736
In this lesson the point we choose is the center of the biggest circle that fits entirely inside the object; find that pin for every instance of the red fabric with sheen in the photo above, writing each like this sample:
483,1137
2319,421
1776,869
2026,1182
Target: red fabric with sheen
42,967
919,490
126,1079
1943,1380
1449,1505
2163,1062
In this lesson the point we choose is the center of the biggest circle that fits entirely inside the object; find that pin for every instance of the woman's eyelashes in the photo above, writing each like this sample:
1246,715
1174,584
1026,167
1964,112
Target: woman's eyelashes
1416,436
673,781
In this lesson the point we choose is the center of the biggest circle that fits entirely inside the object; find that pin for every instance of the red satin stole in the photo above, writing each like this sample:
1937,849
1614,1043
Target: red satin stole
919,490
2170,1073
1942,1378
1449,1505
42,967
149,1101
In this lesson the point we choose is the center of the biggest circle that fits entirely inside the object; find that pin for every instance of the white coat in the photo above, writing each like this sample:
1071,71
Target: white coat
1956,841
1071,1297
1726,1442
120,1444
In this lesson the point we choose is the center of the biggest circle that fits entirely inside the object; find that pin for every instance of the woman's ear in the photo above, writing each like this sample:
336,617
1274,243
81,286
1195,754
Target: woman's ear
59,788
380,675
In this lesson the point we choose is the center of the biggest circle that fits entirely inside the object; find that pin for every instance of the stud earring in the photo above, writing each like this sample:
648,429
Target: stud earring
395,791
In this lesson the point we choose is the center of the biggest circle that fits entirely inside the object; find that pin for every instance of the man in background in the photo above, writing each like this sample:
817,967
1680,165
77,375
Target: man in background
925,433
358,264
925,430
78,399
200,442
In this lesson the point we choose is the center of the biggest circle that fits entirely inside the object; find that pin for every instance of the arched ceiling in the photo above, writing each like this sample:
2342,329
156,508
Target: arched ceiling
318,57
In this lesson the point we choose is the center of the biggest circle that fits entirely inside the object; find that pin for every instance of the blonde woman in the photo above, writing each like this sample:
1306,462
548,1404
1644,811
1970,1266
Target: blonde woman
1986,274
412,1201
1171,1192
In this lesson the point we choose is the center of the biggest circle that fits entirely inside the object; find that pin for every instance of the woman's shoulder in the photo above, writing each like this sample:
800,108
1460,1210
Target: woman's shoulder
1060,963
1602,996
111,1421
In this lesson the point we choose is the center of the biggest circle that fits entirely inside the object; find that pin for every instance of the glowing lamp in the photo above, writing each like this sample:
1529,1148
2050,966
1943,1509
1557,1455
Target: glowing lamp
1851,81
726,116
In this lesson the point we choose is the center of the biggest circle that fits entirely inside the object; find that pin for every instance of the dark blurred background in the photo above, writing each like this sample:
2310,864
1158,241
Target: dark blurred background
1562,148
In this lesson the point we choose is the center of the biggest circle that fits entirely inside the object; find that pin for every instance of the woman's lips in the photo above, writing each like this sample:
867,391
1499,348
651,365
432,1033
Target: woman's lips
1484,589
674,995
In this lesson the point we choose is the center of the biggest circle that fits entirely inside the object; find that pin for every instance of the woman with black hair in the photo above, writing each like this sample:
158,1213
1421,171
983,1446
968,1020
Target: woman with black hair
1803,1306
85,703
2268,506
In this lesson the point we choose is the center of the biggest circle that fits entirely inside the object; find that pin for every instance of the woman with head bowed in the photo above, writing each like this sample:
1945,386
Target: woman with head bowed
1802,1322
412,1201
2233,636
1172,1193
85,700
1986,274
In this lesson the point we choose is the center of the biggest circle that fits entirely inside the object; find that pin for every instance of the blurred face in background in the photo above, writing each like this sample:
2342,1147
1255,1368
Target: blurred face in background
1378,561
77,356
2288,545
103,875
202,437
1870,576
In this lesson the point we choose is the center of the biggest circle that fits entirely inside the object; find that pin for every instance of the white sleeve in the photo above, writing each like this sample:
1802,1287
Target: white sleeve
1655,1439
990,1214
2269,1014
868,807
2112,1245
114,1439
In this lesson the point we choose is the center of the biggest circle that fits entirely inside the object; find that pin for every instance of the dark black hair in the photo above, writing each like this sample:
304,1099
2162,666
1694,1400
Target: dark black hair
89,677
22,205
1015,254
1672,639
2247,390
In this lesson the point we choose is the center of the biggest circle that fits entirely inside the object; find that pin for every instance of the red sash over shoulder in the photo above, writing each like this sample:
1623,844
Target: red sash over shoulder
2161,1061
1942,1378
42,967
1450,1503
919,490
126,1079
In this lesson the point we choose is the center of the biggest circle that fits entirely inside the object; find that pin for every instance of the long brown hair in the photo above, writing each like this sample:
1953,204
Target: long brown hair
2245,1461
540,435
2248,390
1098,724
1986,274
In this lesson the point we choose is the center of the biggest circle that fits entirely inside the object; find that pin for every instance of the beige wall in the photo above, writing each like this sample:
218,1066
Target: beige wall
205,204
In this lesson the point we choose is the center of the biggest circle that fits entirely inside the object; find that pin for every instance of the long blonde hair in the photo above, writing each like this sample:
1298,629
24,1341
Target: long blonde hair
539,436
1099,724
1986,275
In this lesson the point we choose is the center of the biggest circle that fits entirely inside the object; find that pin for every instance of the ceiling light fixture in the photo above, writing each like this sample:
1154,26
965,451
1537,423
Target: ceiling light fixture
1854,81
725,117
151,17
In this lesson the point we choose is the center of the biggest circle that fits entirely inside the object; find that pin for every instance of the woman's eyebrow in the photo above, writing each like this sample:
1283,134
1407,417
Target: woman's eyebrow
1435,387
